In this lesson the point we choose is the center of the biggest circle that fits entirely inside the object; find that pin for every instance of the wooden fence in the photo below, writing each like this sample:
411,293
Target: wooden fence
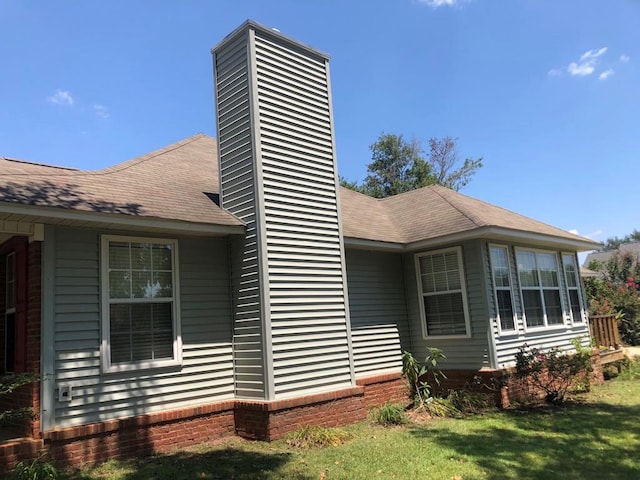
604,331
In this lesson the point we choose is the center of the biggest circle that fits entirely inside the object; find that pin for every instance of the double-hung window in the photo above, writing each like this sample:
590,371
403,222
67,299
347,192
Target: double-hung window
139,303
502,287
573,287
540,288
443,296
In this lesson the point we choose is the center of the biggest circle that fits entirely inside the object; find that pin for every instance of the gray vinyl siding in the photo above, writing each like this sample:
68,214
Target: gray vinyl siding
508,343
378,311
462,353
206,374
238,192
310,337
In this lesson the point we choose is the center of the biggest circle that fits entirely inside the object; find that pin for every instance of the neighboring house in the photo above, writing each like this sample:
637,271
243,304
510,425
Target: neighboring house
603,256
214,287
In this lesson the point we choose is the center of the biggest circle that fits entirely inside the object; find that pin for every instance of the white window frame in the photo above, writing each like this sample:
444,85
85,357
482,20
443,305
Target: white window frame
546,326
462,291
577,288
105,344
501,331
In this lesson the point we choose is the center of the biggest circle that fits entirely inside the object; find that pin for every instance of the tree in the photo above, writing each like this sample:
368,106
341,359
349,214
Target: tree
398,165
614,243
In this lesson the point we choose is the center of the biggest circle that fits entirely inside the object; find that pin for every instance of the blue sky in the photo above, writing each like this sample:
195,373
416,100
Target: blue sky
547,91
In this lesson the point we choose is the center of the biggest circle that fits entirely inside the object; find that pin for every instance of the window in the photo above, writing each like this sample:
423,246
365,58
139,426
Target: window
10,313
573,286
444,300
502,287
140,292
538,273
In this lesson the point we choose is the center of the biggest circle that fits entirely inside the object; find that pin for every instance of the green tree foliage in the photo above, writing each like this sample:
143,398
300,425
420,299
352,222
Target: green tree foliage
617,292
8,384
614,242
399,165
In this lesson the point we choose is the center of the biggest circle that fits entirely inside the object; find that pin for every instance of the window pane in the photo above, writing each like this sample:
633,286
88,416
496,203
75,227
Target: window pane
162,330
548,269
119,284
445,314
505,309
119,255
162,280
576,310
161,257
533,308
527,269
142,331
553,307
141,286
10,342
11,302
141,256
500,266
570,270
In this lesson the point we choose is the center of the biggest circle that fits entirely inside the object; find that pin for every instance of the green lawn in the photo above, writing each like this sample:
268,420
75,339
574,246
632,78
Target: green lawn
596,438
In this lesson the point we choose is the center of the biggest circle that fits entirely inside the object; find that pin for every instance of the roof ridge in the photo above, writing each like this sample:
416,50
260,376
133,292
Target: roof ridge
119,167
464,213
37,164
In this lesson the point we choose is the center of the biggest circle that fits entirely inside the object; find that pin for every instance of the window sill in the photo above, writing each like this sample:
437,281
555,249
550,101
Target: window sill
142,366
546,328
446,337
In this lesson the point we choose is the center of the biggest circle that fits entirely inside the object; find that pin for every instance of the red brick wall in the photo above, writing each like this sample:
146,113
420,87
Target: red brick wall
381,389
273,420
143,435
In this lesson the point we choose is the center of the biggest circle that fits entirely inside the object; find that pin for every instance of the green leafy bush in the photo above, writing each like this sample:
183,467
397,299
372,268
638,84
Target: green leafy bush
35,470
553,371
8,384
418,375
617,292
389,414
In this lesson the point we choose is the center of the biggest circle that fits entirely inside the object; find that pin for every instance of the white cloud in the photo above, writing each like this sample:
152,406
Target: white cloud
593,54
625,58
61,97
587,63
584,66
580,69
440,3
606,74
101,111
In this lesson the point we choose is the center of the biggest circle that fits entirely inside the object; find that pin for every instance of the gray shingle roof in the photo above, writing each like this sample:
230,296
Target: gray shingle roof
176,183
173,183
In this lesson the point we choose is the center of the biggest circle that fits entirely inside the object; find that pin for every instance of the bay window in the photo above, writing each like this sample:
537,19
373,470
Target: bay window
539,288
501,277
572,279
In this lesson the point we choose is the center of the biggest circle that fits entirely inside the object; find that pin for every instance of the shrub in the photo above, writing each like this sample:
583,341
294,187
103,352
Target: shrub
617,292
466,401
630,370
35,470
418,375
8,384
552,371
317,436
389,414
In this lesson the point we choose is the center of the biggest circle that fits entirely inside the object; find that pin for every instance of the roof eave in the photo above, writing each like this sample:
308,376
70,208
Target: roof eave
492,233
42,214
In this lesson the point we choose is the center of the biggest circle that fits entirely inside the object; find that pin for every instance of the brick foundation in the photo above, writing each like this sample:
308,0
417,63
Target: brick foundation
273,420
160,432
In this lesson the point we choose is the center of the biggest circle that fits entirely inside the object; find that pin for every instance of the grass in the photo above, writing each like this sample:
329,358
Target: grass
597,437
